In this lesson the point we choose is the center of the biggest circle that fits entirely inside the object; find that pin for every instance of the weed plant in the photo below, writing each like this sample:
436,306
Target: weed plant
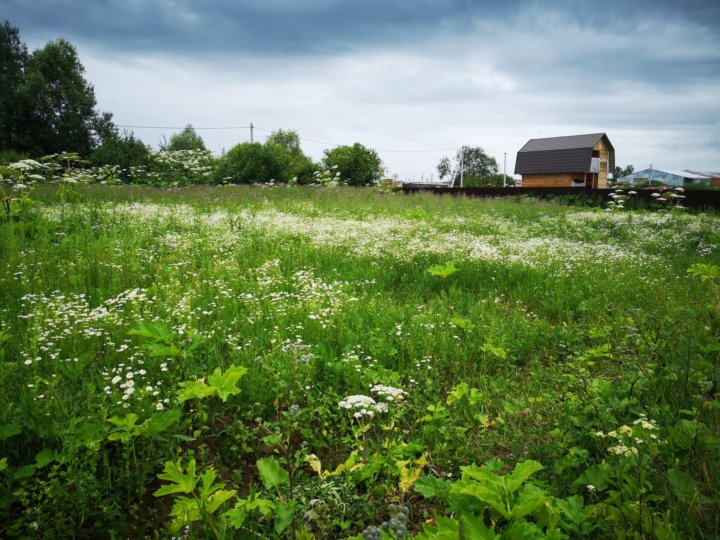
286,362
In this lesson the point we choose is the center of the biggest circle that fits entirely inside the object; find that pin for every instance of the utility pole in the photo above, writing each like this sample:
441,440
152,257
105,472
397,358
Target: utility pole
251,133
504,169
462,164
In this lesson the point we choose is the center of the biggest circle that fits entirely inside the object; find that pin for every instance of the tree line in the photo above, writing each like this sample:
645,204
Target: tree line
48,107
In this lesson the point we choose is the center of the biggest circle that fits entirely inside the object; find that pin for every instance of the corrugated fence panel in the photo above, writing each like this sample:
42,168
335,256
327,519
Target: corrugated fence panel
693,198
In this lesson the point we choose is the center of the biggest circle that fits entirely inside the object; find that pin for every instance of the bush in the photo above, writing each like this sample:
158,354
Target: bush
11,156
124,150
357,165
247,163
181,167
188,139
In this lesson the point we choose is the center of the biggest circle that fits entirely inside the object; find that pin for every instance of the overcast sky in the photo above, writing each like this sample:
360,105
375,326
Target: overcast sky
406,78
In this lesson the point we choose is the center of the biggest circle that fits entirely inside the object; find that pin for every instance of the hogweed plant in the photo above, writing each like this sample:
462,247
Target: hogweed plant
626,478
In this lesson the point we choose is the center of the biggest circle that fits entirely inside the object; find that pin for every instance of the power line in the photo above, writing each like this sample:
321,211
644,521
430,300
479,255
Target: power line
304,139
178,127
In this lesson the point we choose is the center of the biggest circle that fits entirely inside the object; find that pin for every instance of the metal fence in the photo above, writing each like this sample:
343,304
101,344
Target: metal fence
693,198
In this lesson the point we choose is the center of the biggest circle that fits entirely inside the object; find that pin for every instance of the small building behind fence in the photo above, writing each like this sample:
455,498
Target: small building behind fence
569,161
664,177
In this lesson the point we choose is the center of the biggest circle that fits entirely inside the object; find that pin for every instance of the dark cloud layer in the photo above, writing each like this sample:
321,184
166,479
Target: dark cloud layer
381,71
318,27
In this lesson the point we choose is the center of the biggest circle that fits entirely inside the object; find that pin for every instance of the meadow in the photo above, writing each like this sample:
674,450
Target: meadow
318,362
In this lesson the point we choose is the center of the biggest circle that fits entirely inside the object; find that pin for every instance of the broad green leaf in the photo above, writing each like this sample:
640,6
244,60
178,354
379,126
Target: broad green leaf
185,510
445,529
24,472
127,421
704,272
432,487
44,457
155,330
271,473
683,485
350,465
159,422
409,475
194,390
3,464
283,516
127,428
457,393
465,324
486,492
597,475
244,507
530,498
217,499
181,482
207,483
522,530
475,528
443,271
225,383
522,472
9,430
576,517
498,352
160,349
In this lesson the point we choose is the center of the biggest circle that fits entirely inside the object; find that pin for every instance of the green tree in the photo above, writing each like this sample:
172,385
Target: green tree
247,163
187,139
13,62
288,140
287,145
477,167
357,165
124,150
57,102
619,171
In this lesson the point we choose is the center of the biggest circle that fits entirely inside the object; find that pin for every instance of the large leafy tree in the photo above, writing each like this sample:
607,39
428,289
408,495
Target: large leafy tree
357,165
476,166
289,140
286,144
247,163
619,172
122,149
187,139
13,61
58,103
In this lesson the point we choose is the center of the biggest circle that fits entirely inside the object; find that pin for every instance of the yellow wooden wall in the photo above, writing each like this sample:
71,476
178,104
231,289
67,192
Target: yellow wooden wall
602,181
549,180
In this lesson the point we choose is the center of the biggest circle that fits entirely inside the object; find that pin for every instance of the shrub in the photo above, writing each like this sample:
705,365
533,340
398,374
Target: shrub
247,163
358,165
123,150
11,156
181,167
187,139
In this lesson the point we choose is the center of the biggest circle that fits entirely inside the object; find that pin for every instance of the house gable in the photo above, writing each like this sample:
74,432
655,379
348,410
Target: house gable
569,154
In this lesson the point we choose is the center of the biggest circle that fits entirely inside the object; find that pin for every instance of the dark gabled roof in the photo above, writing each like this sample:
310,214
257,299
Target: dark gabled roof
562,143
569,154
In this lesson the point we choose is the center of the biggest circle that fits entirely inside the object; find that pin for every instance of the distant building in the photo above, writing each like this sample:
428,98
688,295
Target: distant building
574,160
713,176
666,177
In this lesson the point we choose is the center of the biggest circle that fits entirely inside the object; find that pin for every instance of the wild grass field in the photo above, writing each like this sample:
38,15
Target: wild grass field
254,362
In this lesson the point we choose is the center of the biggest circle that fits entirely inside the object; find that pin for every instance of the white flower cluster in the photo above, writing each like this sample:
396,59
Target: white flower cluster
362,405
388,392
628,435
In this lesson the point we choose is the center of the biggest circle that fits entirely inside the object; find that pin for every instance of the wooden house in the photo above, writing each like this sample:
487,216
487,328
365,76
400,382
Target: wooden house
570,161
